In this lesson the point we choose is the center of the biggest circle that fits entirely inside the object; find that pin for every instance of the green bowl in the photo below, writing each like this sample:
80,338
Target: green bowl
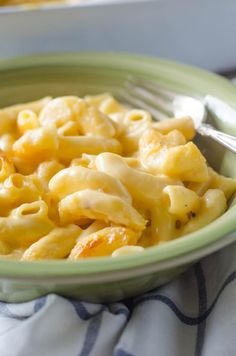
109,279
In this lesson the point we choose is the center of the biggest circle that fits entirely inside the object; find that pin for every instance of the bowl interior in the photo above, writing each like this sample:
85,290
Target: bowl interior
28,78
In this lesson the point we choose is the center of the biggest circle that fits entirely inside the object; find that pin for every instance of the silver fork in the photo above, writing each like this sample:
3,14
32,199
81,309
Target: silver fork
163,103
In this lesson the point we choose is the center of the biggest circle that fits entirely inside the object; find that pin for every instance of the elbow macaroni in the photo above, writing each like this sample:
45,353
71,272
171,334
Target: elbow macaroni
99,206
90,177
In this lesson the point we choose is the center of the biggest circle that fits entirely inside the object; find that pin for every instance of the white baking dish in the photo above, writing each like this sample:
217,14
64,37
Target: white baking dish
198,32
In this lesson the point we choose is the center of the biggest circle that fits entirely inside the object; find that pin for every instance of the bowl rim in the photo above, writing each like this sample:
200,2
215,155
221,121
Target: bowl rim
174,249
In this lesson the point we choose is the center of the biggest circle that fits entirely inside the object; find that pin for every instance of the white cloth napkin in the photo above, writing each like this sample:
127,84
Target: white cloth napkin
194,315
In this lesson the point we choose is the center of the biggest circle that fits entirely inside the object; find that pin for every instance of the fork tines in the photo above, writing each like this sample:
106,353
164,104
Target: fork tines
148,96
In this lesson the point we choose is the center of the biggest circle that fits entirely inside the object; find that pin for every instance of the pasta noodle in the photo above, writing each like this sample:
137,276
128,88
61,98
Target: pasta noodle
89,177
100,206
103,242
74,179
57,244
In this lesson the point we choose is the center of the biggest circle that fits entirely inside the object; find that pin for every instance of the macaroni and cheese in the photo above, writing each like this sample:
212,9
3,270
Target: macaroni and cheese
90,177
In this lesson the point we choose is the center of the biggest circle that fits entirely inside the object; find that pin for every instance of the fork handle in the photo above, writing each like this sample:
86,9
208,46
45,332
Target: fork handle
226,140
